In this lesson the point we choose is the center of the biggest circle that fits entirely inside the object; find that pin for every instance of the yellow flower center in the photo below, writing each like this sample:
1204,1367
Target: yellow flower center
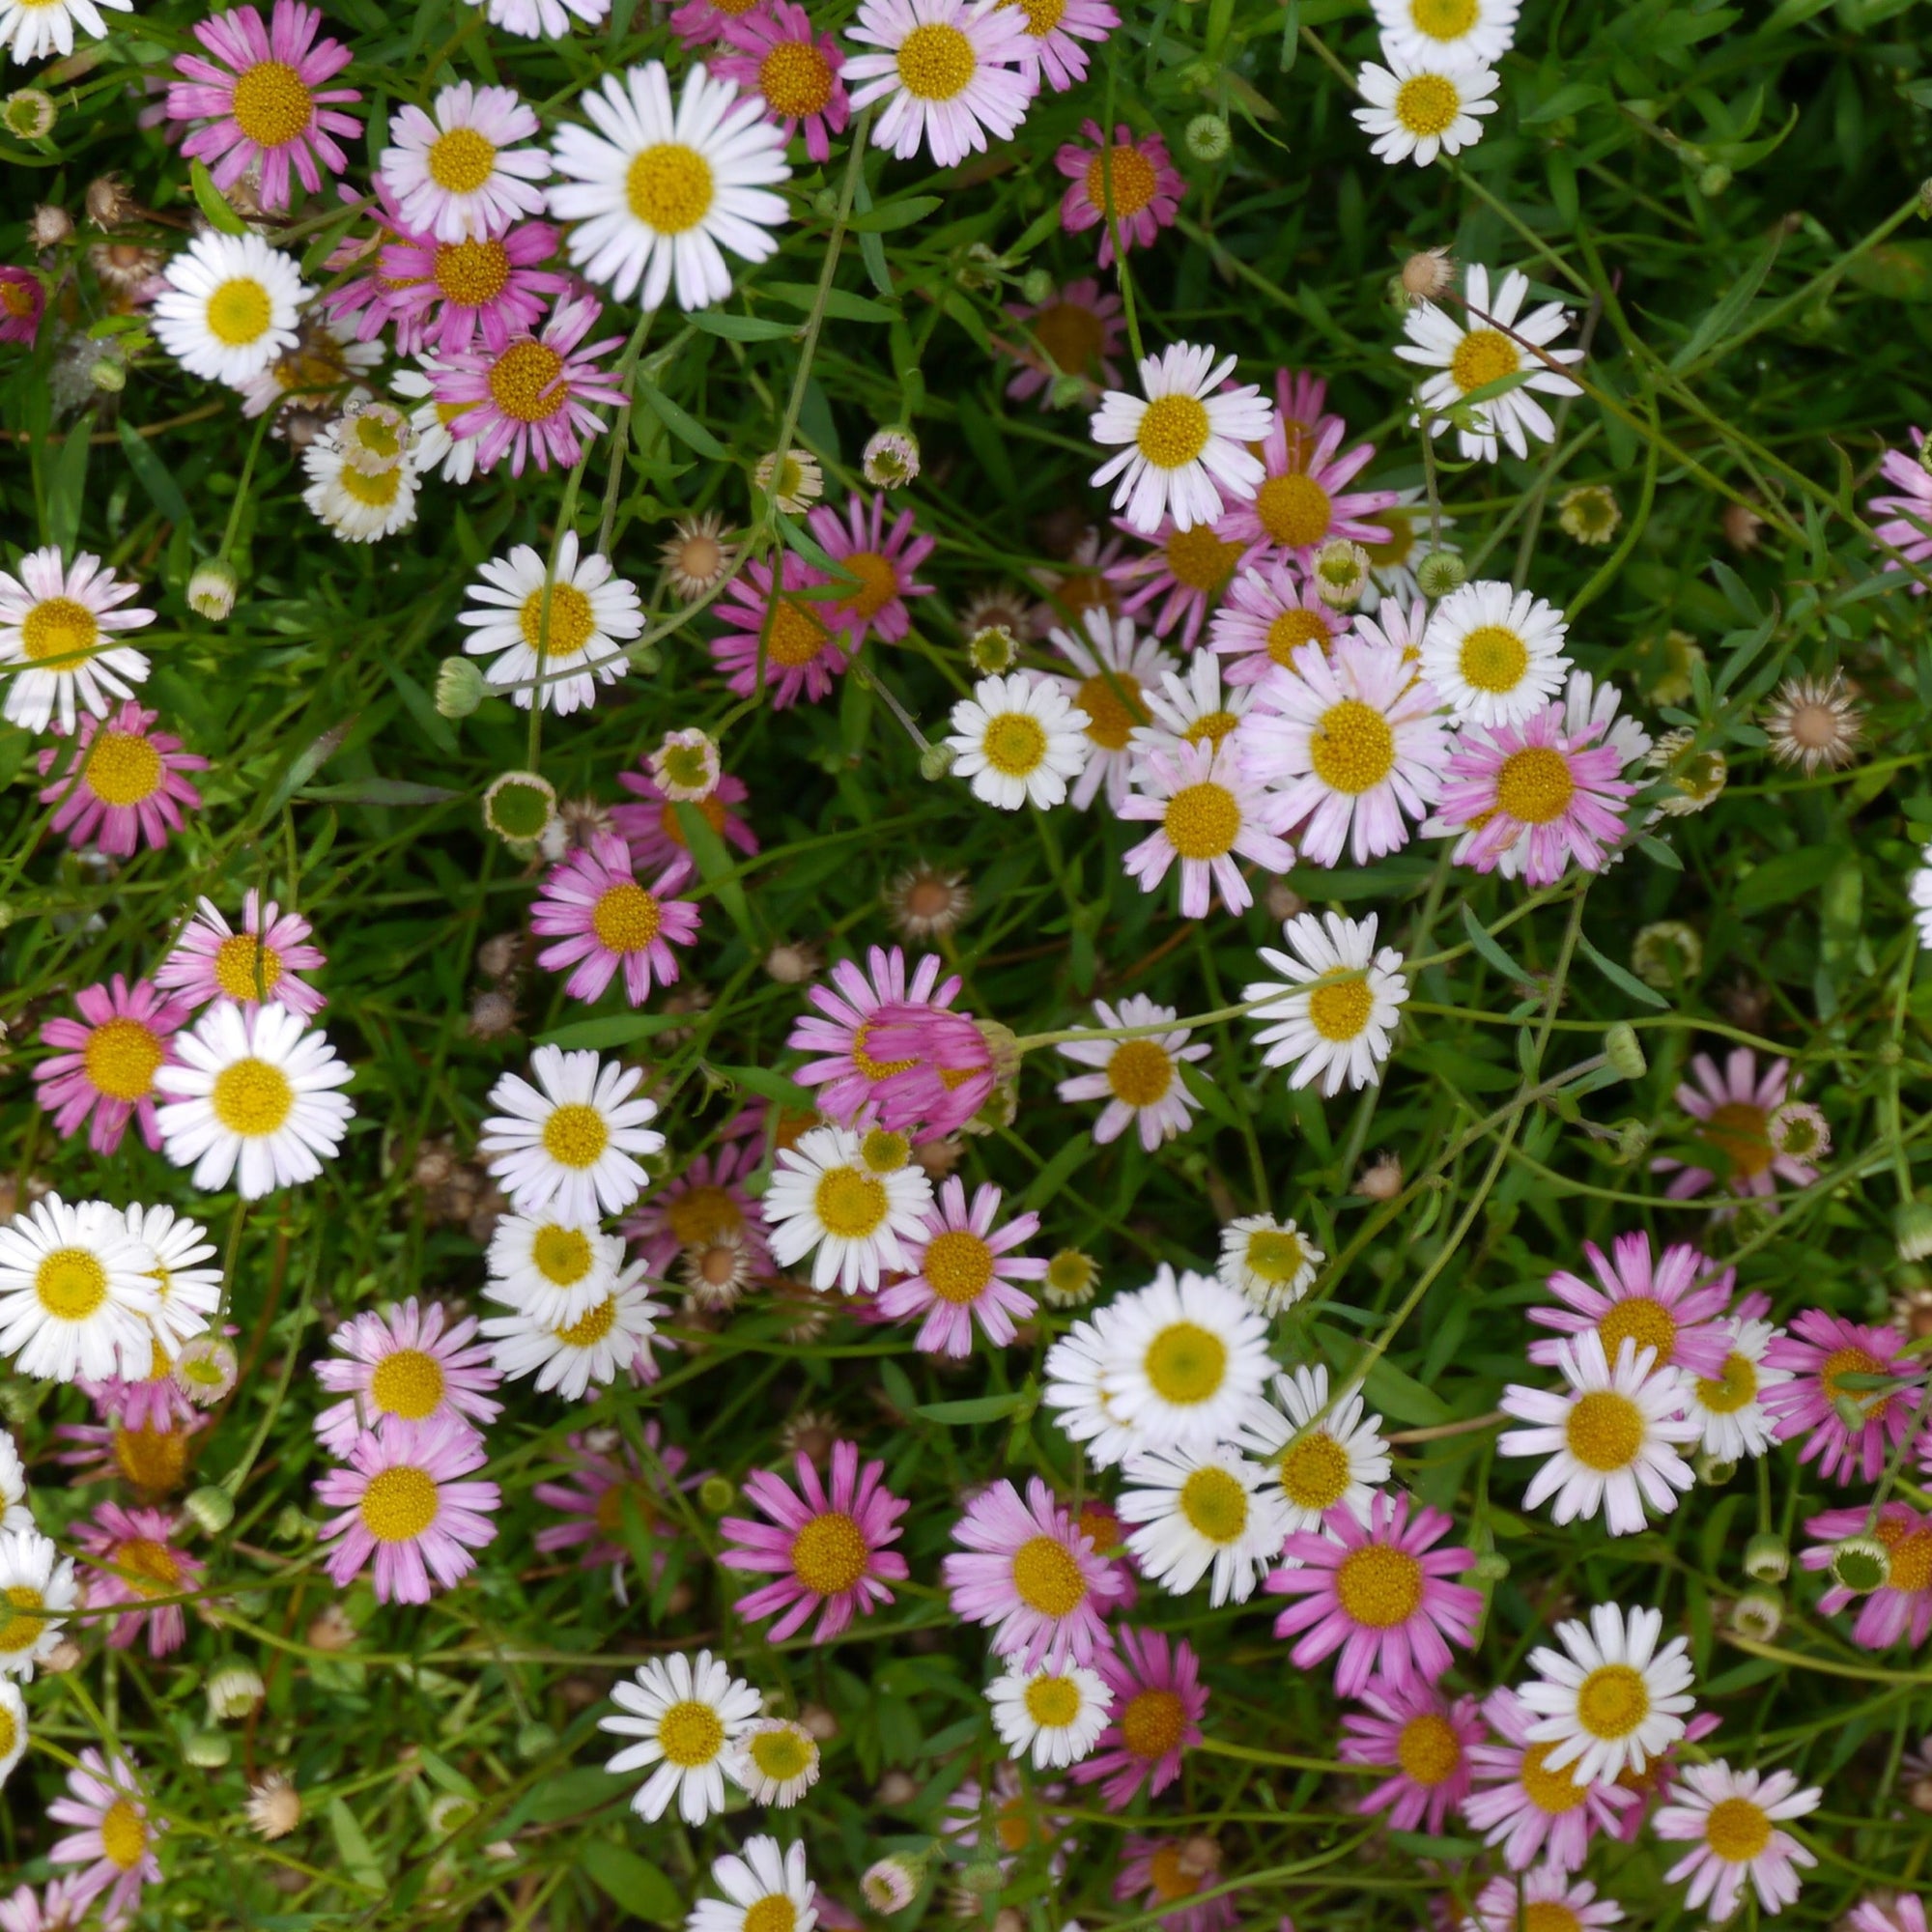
590,1328
1429,1750
1604,1431
373,493
1341,1009
1352,747
22,1629
1215,1505
796,637
1314,1472
958,1265
1275,1254
16,299
252,1099
561,1254
1052,1702
120,1056
936,62
1640,1320
1295,510
1169,1877
1210,728
239,312
271,105
10,1733
621,1500
155,1459
156,1571
875,1070
122,768
1912,1562
796,79
1535,785
1154,1723
1443,19
670,187
1071,337
524,382
1379,1587
1736,1831
472,273
1612,1701
774,1913
1492,658
702,1214
1400,540
244,969
1140,1072
124,1835
851,1205
575,1136
828,1555
1046,1579
408,1384
1735,1390
398,1505
691,1734
878,582
1201,821
780,1754
1554,1792
1292,629
1483,356
57,629
1548,1915
1014,743
1114,704
1173,431
1041,15
1134,180
461,162
1200,559
1185,1363
1739,1131
1428,105
626,918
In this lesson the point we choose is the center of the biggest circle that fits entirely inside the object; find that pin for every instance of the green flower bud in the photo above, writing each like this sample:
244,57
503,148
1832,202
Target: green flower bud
1625,1051
211,590
1036,287
1861,1564
716,1494
1208,139
210,1508
460,687
1759,1614
208,1751
1440,572
935,762
520,806
1767,1558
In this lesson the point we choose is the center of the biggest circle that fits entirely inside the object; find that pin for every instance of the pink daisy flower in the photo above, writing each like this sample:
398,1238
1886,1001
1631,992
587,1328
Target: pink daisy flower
104,1071
1145,187
457,171
403,1500
699,22
606,1490
1730,1820
121,782
1546,1897
943,1072
368,299
992,97
1114,667
963,1271
530,397
1163,1875
1901,1912
1028,1570
57,1907
654,831
1652,1785
857,1000
707,1204
884,565
826,1548
1305,501
1052,49
1268,616
1206,813
1526,1807
803,652
1076,332
407,1361
1907,525
1008,1820
1733,1111
604,919
259,964
1301,397
1186,572
1422,1738
265,93
1901,1607
1158,1702
774,56
1818,1350
1534,781
135,1560
1675,1306
115,1842
24,299
441,294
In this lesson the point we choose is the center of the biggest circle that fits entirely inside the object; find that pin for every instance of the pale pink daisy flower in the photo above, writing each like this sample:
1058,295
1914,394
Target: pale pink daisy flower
120,782
699,22
115,1842
1653,1784
1380,1593
410,1361
1158,1702
1138,175
884,563
1206,813
1301,396
962,1271
1548,1897
825,1545
1530,1811
654,831
1730,1820
1900,1609
776,56
1733,1112
456,171
604,919
1674,1305
368,297
442,295
606,1491
57,638
943,1073
1139,1079
855,1001
1305,500
1351,747
404,1499
950,71
1031,1572
707,1203
1887,1911
802,651
530,398
1113,664
1075,331
1164,1875
1054,30
1819,1348
258,965
265,94
1907,525
104,1071
58,1907
134,1560
1268,616
1186,572
1422,1738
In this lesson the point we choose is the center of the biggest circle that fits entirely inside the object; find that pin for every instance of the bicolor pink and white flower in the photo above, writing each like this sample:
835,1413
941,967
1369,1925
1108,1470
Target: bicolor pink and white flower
1674,1304
857,1000
456,171
114,1841
1539,1898
1733,1111
1135,176
1532,1812
1139,1079
1907,512
259,965
1730,1820
119,782
409,1360
1208,814
1269,615
103,1072
963,1270
132,1558
605,921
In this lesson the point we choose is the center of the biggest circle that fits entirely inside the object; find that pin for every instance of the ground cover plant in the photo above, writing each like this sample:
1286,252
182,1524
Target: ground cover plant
961,965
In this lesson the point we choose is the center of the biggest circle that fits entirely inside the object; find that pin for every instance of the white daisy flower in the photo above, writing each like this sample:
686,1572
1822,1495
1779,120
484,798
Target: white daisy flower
1202,1510
593,1348
74,1293
1270,1261
1139,1079
455,171
1419,107
1207,812
568,1144
452,457
1615,1701
765,1891
1484,344
229,308
656,190
1481,30
56,623
1324,1454
1054,1715
32,29
1919,888
1729,1409
775,1762
1115,666
173,1249
542,19
1610,1439
591,609
1494,653
254,1091
304,381
358,506
1194,710
556,1270
14,1511
950,71
1331,1014
13,1728
826,1200
37,1592
1018,739
684,1712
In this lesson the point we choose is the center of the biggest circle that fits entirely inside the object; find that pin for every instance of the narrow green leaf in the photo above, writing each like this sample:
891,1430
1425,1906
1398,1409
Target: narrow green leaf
379,791
716,868
154,475
742,328
358,1861
631,1884
1624,981
612,1029
1488,948
213,203
681,423
67,485
975,1409
892,214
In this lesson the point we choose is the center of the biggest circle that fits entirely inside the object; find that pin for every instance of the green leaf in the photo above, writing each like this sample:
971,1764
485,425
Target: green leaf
379,791
742,328
768,1085
681,423
892,214
1624,981
1488,948
633,1883
1728,310
213,203
441,1772
839,303
358,1861
612,1029
154,475
1788,876
975,1409
67,485
716,868
1399,1395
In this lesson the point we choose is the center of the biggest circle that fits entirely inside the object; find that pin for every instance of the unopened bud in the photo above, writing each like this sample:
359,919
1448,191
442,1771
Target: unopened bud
1207,139
1714,181
211,1509
1064,392
1767,1558
1759,1614
234,1690
935,762
1911,1230
108,374
460,687
29,114
208,1751
1439,573
1861,1564
211,590
891,459
1715,1471
1625,1051
291,1525
982,1878
1036,287
1491,1567
716,1494
520,806
993,651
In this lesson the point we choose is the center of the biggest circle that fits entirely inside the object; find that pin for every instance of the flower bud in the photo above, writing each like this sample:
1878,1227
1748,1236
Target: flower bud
891,459
1440,572
211,1509
291,1525
535,1740
1861,1564
1665,952
460,687
208,1751
1715,1471
1207,139
935,762
1036,287
716,1494
234,1690
892,1883
520,806
211,590
1714,181
1625,1051
108,374
981,1879
1491,1567
993,651
29,114
205,1368
1759,1614
1767,1559
1911,1230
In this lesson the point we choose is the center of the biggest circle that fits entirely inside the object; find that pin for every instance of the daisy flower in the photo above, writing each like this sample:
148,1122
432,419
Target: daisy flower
14,1511
37,1583
1018,740
1054,30
1495,655
455,171
406,1361
777,640
570,1144
1053,1714
134,1559
114,1842
1028,1570
56,627
707,1203
30,29
1610,1439
1900,1609
407,1501
1482,30
1272,1263
951,73
1158,1703
1350,747
1730,1820
1487,345
1186,572
945,1072
359,505
684,1712
12,1749
1731,1407
1207,810
1902,1912
593,612
1202,1510
962,1271
1331,1014
103,1072
1421,106
1674,1306
1733,1112
1164,1874
1549,1898
260,964
1819,1349
1185,439
448,293
1303,502
252,1090
1115,666
1908,526
1614,1701
686,766
1392,562
121,782
1192,709
883,564
1378,1592
655,194
1422,1740
23,300
608,1491
844,1071
265,90
775,1761
229,306
825,1545
452,457
765,1891
827,1201
775,55
1076,333
1138,176
1139,1079
595,1346
1530,1810
1270,616
542,19
604,919
173,1249
1323,1452
74,1292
